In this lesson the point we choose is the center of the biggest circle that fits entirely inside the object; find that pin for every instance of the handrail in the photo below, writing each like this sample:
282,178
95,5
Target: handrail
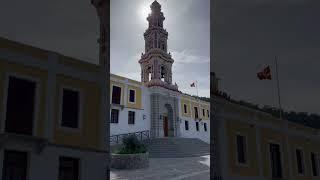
141,135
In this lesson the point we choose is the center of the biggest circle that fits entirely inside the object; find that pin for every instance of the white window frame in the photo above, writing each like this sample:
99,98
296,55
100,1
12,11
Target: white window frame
118,115
195,112
246,164
36,100
186,126
269,157
134,122
120,93
80,163
317,156
303,161
80,113
196,122
205,127
185,110
135,96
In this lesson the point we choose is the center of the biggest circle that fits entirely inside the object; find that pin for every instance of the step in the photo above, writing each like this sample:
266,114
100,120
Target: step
177,147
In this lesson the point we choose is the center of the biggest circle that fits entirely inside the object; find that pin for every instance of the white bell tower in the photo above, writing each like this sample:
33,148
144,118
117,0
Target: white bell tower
156,62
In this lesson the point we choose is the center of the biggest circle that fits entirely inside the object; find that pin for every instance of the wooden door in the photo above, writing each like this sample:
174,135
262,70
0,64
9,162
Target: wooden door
165,126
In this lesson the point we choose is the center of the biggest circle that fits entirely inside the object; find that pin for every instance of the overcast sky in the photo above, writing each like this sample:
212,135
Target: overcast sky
188,25
71,28
66,26
249,33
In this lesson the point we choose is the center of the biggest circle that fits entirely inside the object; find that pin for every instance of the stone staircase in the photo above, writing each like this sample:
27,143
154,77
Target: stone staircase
177,147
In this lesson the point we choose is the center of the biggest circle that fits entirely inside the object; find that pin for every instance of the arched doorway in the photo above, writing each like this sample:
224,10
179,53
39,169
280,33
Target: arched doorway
168,126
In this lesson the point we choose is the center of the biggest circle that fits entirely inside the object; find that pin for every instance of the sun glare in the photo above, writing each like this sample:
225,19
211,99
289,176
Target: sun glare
144,10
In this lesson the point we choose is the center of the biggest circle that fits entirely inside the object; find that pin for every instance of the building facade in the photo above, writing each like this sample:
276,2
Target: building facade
50,108
50,125
155,104
255,145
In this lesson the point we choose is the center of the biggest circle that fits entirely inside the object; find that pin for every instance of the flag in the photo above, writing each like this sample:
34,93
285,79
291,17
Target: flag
193,85
264,74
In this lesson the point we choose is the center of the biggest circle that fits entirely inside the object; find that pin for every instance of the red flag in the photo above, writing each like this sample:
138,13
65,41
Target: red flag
264,74
193,85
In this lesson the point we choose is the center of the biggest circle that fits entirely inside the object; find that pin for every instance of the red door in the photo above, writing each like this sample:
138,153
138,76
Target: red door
165,126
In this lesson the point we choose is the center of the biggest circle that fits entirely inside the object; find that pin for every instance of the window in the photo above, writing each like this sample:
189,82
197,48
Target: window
315,164
185,108
186,125
131,116
275,161
197,126
203,113
208,114
114,116
300,161
116,95
15,165
70,108
241,149
68,168
196,113
20,98
205,126
132,97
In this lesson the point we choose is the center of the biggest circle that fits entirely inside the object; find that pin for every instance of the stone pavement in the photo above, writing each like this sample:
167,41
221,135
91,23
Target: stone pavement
168,169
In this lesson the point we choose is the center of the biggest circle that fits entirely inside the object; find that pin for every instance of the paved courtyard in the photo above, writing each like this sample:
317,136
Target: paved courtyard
169,169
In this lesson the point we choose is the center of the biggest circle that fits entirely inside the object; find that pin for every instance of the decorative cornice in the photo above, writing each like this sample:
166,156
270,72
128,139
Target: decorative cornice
156,52
158,82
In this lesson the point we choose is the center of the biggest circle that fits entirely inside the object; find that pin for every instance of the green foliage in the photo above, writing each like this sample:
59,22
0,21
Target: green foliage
131,145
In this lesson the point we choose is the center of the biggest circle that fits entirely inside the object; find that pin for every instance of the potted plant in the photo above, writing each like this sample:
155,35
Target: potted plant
131,155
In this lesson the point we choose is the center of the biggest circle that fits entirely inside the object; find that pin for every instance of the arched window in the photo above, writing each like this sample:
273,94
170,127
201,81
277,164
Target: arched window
163,72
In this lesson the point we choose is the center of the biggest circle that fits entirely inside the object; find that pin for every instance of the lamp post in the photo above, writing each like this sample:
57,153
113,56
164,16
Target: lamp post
103,12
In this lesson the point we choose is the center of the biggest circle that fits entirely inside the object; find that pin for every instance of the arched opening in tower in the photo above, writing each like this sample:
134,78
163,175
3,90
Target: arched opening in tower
163,73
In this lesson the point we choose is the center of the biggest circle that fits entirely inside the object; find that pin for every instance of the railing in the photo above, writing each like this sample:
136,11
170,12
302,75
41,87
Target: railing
141,135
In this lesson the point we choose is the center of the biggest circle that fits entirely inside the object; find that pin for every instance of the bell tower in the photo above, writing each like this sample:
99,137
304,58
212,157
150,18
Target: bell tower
156,62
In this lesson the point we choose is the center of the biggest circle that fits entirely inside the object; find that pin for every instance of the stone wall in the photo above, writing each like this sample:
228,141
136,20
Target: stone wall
129,161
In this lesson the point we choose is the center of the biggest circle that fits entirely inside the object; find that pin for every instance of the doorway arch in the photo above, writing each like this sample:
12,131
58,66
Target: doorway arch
170,123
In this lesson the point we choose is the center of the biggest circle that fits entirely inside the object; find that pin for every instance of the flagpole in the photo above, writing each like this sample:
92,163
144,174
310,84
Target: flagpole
278,87
197,88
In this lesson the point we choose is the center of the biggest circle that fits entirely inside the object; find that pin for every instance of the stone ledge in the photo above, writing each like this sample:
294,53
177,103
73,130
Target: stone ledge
129,161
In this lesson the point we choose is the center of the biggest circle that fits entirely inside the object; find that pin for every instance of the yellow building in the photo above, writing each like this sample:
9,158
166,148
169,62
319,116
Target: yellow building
50,123
256,145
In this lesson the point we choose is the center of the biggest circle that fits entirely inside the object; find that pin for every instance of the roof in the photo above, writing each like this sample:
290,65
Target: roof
155,4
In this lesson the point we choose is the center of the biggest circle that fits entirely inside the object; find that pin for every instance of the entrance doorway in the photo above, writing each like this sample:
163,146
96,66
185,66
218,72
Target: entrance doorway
165,126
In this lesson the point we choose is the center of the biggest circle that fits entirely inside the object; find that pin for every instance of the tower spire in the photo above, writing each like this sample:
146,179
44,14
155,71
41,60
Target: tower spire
156,63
